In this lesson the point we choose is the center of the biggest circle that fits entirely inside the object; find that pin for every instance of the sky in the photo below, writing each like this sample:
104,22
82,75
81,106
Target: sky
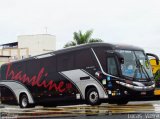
133,22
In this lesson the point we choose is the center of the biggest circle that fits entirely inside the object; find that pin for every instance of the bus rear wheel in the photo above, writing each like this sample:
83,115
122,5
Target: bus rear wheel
24,101
92,97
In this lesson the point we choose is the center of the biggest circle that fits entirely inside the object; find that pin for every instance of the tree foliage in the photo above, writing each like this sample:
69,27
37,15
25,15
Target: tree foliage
82,38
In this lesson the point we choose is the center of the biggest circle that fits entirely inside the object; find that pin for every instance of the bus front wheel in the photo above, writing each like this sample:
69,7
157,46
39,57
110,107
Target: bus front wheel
92,97
24,101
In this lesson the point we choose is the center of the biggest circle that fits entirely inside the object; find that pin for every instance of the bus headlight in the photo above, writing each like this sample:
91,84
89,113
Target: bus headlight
104,82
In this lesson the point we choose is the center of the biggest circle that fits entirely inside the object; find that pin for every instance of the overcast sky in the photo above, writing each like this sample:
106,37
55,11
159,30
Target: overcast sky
135,22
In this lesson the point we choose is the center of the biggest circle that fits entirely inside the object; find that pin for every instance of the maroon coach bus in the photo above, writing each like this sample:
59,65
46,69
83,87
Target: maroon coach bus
92,73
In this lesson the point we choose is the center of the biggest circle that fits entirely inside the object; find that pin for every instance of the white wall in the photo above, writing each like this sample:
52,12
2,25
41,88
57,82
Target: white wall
4,60
37,44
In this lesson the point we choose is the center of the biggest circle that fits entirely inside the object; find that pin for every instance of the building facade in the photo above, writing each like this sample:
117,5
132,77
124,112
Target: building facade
28,45
4,59
37,44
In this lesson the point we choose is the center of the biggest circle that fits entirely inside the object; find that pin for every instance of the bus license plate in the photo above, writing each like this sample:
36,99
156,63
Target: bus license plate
143,93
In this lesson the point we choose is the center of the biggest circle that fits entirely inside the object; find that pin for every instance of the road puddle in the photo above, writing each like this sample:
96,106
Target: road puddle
77,110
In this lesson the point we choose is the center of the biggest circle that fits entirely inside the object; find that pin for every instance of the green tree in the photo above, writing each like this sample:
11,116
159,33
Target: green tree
82,38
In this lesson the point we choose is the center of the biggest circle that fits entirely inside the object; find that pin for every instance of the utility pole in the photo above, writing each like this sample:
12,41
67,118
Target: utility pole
46,30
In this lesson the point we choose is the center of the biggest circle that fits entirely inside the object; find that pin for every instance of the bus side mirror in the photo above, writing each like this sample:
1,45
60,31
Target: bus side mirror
155,56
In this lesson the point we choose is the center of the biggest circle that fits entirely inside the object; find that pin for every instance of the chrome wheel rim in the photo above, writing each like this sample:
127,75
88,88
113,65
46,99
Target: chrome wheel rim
24,102
93,97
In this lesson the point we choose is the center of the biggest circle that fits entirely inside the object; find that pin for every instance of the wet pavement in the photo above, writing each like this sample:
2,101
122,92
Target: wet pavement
132,110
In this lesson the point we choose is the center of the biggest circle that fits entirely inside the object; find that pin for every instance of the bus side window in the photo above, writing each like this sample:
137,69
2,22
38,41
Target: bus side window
111,66
65,62
83,59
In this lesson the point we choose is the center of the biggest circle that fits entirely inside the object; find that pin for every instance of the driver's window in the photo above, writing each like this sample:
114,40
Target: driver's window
111,66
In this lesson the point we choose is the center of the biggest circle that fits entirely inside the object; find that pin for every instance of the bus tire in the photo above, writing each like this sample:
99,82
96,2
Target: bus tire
92,97
23,102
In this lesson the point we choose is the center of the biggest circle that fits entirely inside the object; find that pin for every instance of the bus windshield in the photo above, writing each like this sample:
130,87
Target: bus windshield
136,65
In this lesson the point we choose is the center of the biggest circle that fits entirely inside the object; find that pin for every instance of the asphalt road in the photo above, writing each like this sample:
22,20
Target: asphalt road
133,110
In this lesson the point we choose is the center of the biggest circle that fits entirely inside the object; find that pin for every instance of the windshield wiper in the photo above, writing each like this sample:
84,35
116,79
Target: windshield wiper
145,71
142,69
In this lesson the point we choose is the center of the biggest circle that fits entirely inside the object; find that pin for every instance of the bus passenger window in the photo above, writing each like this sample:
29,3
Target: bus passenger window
111,66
